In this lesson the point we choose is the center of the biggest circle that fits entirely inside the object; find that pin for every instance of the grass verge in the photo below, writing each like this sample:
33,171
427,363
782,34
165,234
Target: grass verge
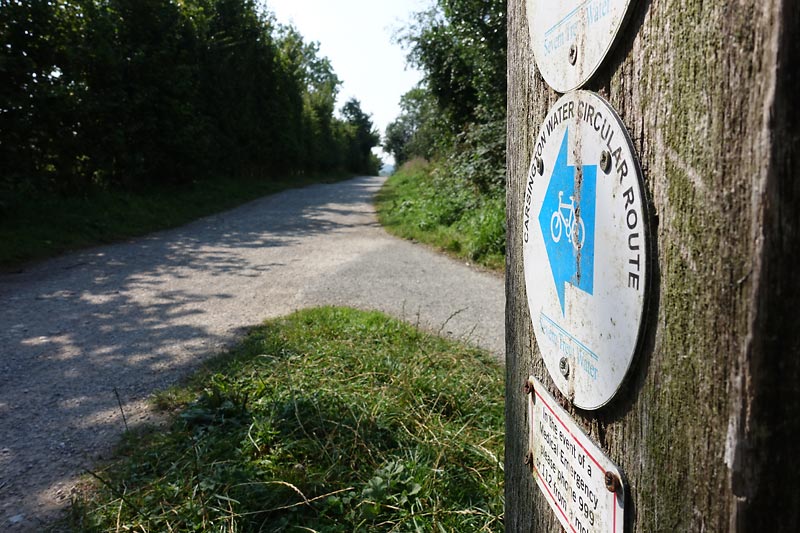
418,203
327,420
42,227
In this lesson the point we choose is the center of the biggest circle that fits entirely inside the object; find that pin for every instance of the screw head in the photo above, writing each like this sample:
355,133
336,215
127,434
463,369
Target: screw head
538,165
528,387
529,460
563,366
573,54
605,161
612,482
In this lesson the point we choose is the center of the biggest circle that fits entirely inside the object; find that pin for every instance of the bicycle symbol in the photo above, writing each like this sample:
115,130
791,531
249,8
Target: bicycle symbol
576,231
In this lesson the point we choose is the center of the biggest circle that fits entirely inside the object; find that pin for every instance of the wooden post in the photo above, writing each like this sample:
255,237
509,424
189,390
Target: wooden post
706,426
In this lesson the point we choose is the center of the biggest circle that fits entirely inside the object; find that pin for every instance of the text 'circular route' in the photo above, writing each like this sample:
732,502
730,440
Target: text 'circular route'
585,248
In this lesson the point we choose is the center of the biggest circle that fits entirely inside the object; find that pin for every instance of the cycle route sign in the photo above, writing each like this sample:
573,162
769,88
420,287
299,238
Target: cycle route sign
585,248
571,38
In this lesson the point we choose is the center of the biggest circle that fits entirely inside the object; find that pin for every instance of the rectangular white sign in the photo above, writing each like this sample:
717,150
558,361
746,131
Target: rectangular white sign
582,485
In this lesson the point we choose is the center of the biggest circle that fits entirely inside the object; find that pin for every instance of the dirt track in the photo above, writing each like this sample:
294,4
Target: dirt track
135,317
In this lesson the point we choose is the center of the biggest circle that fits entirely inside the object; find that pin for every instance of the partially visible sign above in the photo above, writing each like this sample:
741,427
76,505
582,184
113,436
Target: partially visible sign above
585,248
582,485
571,38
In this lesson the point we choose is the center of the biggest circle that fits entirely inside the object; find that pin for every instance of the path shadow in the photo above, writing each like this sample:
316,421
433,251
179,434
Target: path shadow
130,319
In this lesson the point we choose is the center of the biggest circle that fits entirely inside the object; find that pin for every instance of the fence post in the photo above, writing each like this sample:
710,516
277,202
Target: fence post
705,425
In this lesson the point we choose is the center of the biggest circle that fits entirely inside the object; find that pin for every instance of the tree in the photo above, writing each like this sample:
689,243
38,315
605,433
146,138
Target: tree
140,70
240,75
415,132
460,45
705,428
458,113
131,93
361,138
38,96
318,86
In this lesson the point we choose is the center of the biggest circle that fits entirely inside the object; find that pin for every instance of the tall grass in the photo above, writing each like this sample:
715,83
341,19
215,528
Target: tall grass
421,202
327,420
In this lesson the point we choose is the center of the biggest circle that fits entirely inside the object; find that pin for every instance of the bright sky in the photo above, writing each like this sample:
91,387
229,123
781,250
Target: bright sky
357,36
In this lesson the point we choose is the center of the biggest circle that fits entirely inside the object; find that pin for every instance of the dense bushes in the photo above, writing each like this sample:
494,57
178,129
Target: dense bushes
424,202
128,93
460,46
456,120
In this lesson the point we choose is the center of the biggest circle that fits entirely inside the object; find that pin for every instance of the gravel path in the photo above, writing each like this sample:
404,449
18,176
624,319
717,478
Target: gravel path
135,317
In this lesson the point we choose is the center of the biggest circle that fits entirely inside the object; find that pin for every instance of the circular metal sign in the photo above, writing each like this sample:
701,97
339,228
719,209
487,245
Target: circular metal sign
585,248
571,38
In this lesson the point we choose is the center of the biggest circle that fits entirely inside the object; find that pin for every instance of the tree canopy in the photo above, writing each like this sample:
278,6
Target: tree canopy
127,93
458,110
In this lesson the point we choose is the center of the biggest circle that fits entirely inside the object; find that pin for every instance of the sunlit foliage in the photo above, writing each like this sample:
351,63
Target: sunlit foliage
127,93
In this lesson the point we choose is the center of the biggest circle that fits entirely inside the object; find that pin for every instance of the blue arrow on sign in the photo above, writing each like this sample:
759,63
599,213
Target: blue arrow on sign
567,220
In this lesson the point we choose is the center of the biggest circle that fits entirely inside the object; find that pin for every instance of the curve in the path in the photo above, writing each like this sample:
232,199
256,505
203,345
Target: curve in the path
132,318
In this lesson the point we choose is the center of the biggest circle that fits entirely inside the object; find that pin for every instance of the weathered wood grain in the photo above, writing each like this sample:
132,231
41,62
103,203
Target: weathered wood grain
705,426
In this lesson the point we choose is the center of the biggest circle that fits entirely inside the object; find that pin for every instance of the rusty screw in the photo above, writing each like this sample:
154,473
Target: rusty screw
605,161
612,482
563,365
528,387
573,54
529,460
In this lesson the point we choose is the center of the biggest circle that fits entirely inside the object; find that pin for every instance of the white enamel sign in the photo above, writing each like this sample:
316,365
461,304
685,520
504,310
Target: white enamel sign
582,485
585,248
571,38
